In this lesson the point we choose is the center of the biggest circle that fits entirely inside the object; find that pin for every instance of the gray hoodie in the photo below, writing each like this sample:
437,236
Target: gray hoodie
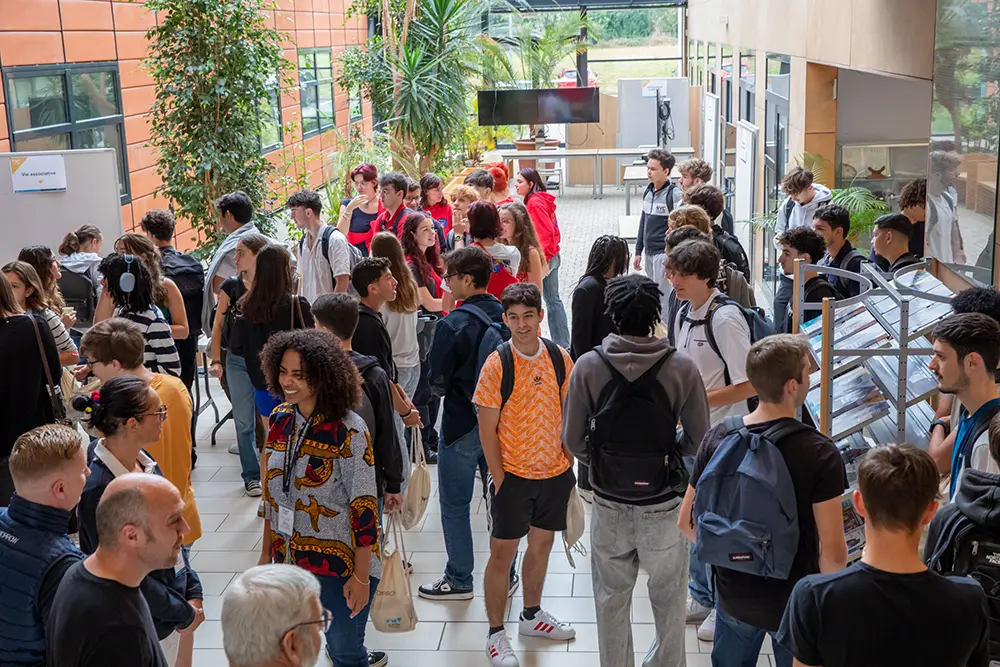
800,216
632,356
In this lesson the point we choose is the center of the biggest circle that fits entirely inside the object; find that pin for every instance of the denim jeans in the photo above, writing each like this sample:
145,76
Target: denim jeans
345,640
738,644
782,299
700,580
623,538
457,466
555,311
243,398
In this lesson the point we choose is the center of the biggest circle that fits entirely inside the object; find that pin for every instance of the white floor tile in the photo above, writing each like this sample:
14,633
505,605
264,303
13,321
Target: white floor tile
426,637
203,473
224,561
214,583
472,637
211,522
241,523
229,541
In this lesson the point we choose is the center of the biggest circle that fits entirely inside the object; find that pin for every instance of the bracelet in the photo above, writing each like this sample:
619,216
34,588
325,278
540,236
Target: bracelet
363,583
410,412
938,422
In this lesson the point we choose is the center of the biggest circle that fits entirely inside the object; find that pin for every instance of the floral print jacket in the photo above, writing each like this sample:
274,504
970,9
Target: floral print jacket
331,490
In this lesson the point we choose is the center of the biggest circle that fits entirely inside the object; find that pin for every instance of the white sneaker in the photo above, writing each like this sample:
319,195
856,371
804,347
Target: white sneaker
696,612
706,631
234,449
545,625
499,652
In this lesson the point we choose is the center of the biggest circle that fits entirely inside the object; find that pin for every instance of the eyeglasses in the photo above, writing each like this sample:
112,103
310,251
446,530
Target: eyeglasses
326,618
161,413
449,276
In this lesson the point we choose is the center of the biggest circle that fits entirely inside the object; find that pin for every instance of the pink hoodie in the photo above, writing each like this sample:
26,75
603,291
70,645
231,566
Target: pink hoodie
542,209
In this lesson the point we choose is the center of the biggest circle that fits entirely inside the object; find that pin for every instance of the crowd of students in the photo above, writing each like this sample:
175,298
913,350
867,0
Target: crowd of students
337,357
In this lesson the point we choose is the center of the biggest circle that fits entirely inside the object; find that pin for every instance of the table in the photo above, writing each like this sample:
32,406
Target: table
596,154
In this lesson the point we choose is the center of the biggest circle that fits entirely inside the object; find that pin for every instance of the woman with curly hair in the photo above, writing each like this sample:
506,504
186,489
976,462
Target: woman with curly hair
319,504
128,285
30,297
166,294
517,230
128,415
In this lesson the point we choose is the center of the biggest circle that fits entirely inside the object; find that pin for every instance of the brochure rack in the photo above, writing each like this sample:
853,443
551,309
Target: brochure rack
872,354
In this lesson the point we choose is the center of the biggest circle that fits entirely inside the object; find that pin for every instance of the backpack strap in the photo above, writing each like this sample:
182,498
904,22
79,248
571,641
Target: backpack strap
789,207
325,243
719,302
783,429
977,430
558,363
669,195
733,423
506,373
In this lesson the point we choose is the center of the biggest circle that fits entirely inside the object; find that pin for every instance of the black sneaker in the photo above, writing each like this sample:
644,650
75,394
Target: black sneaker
442,590
252,487
377,659
515,581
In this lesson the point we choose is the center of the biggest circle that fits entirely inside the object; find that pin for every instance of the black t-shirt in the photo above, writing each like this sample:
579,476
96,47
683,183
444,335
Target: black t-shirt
818,474
251,337
235,288
371,338
98,622
862,616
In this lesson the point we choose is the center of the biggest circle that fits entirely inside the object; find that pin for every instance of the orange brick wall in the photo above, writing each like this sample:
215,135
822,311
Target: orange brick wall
42,32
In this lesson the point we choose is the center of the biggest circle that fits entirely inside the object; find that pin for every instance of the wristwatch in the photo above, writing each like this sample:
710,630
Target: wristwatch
938,422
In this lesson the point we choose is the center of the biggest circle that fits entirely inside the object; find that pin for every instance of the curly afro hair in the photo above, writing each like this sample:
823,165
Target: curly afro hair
328,369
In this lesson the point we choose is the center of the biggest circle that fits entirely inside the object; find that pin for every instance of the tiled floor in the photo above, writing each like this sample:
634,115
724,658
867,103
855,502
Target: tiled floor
449,634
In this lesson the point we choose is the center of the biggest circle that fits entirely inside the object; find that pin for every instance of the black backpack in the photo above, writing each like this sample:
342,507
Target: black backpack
80,294
189,276
731,250
727,223
507,368
977,555
629,460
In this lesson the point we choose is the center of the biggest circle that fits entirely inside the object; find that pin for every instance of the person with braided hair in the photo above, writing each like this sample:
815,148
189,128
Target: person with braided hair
636,467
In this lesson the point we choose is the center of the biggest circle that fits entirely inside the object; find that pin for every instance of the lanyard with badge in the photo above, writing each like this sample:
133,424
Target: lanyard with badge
286,514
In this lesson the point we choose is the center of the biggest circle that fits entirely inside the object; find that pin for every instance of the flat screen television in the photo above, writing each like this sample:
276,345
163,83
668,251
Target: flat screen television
539,106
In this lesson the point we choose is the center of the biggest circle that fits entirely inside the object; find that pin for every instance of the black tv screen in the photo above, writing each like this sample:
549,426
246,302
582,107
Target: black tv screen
539,106
508,107
569,105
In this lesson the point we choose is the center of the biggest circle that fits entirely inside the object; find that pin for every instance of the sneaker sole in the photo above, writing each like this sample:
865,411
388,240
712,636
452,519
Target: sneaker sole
706,637
461,595
545,635
381,663
696,619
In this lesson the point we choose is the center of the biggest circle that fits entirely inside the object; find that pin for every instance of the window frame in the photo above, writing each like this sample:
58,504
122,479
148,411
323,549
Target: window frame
72,127
354,95
274,100
315,84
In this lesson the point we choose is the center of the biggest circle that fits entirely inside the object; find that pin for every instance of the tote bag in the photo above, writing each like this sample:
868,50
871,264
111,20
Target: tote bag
392,610
418,489
576,525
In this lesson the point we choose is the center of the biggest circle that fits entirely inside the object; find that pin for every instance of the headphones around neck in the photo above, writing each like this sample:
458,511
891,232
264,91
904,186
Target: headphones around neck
126,282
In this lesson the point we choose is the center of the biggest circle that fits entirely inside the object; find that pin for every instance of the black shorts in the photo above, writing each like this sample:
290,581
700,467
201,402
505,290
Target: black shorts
526,503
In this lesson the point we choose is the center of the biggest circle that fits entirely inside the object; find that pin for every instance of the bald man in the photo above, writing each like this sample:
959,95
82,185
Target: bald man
99,616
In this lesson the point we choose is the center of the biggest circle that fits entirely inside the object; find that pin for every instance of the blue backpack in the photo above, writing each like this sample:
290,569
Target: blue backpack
745,510
495,335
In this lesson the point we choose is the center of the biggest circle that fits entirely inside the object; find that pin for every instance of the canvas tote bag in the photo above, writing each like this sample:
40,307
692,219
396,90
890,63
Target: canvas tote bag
418,489
392,610
576,525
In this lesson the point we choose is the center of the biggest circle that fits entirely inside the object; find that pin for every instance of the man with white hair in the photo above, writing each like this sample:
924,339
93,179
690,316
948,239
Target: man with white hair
99,617
272,617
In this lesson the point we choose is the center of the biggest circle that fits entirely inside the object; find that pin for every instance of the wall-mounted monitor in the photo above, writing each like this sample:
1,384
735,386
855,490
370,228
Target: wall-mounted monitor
539,106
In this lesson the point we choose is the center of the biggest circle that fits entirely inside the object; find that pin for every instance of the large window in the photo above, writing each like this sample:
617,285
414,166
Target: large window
748,87
712,65
727,83
271,135
316,90
64,107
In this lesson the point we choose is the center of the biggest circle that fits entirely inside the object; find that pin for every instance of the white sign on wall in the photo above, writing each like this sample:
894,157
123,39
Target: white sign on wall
38,173
746,170
652,86
711,133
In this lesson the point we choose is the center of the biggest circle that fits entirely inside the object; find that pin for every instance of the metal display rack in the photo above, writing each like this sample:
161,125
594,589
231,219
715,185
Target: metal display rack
873,374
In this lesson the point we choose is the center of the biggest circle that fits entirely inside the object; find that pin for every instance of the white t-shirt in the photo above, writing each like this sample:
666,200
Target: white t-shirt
402,329
732,334
316,273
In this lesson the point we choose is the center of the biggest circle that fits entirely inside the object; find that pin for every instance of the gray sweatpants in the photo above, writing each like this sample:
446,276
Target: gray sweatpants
623,537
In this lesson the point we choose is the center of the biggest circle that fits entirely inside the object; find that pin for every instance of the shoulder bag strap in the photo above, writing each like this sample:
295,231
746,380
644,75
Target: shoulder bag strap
45,362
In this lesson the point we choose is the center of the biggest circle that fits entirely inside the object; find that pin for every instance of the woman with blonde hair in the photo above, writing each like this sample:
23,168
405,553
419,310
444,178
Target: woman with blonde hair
166,295
517,230
462,197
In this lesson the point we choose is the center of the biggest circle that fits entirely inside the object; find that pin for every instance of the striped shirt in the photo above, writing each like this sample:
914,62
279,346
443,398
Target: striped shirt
63,342
160,354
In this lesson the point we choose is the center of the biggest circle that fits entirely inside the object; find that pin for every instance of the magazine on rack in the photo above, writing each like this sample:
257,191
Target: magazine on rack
854,527
860,414
852,450
813,326
843,330
849,391
920,379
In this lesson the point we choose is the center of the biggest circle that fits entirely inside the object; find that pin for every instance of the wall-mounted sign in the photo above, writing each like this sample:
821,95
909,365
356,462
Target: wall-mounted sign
651,86
38,173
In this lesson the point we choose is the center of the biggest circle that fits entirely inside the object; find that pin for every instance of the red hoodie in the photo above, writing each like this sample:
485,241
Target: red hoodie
542,209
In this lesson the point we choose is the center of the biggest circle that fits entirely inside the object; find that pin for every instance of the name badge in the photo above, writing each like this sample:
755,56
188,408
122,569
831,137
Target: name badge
181,564
286,520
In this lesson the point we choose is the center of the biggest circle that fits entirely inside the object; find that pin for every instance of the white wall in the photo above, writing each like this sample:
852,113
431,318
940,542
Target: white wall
882,108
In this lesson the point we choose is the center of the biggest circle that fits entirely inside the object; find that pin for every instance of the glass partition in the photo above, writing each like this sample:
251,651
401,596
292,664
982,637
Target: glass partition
712,65
962,163
727,83
748,88
775,152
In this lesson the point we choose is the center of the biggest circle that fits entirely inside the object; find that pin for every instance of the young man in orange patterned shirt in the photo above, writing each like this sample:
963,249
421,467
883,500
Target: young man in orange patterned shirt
531,471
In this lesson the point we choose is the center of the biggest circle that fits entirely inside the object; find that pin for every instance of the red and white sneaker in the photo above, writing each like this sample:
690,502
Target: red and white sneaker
545,625
499,652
